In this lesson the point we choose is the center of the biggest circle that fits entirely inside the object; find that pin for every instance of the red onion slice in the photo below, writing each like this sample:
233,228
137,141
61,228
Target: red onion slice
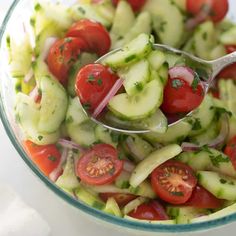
47,45
128,166
70,144
182,72
108,97
215,143
29,76
195,21
57,172
34,93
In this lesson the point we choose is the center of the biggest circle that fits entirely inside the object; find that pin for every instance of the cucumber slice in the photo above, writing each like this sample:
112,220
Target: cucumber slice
133,205
135,77
68,180
138,106
156,59
174,134
106,136
202,117
152,222
122,181
205,39
156,122
88,198
165,15
156,158
184,215
220,186
141,25
217,52
27,114
228,37
144,189
53,105
135,50
123,20
106,10
112,207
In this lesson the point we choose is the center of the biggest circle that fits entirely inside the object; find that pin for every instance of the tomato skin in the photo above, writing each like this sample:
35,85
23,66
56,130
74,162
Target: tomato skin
46,157
135,4
62,55
93,33
100,165
201,198
230,48
149,211
215,9
93,82
122,199
181,98
230,151
173,182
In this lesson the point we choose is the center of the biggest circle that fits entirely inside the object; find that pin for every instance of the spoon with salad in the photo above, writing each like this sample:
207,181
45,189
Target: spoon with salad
145,87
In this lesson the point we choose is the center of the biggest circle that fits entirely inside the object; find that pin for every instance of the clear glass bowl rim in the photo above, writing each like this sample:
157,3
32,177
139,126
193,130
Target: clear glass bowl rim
135,225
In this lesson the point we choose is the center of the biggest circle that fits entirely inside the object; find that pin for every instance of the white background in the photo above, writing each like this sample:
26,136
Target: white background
62,218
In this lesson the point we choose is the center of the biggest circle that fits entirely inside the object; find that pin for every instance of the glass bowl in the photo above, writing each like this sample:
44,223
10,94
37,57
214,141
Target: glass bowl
20,11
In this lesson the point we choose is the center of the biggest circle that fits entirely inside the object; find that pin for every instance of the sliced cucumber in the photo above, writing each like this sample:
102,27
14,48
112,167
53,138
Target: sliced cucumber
163,73
220,186
156,59
106,136
68,180
156,122
184,215
27,114
156,158
217,52
138,106
228,37
133,205
112,207
202,117
135,77
135,50
53,105
151,222
122,181
106,9
175,133
165,15
144,189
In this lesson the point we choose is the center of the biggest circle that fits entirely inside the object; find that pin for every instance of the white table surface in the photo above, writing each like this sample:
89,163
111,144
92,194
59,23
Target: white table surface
62,218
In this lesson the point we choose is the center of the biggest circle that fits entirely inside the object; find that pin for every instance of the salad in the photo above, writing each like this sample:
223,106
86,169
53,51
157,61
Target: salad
180,174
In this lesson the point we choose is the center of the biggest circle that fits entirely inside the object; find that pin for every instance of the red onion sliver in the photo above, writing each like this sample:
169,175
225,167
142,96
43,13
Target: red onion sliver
215,143
34,93
29,76
47,45
56,173
182,72
108,97
70,144
128,166
195,21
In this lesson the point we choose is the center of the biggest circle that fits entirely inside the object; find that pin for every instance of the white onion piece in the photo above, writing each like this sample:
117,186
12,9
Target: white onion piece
70,144
215,143
29,76
34,93
47,45
182,72
56,172
128,166
108,97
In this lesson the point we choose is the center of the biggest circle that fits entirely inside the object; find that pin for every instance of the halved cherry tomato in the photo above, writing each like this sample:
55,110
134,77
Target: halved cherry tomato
173,182
100,165
230,151
93,33
201,198
152,210
121,198
230,48
135,4
93,82
46,157
181,97
215,9
62,55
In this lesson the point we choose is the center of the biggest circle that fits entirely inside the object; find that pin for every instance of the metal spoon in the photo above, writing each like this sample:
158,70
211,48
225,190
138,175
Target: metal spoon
207,71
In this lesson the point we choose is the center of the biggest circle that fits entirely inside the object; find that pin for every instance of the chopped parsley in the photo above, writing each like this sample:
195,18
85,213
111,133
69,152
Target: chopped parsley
81,10
219,111
204,36
179,194
196,124
176,83
67,40
86,106
195,82
52,158
40,137
130,58
32,21
162,27
37,7
69,120
8,40
202,73
115,137
216,160
99,82
17,118
91,78
223,181
138,86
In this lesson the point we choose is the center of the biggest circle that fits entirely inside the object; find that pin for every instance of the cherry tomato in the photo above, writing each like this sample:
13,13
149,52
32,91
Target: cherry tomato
93,33
181,97
201,198
215,9
100,165
121,198
230,48
173,182
46,157
230,151
135,4
152,210
228,73
62,55
93,82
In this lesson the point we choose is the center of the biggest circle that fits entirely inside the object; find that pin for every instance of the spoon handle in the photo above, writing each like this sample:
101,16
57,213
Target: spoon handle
221,63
